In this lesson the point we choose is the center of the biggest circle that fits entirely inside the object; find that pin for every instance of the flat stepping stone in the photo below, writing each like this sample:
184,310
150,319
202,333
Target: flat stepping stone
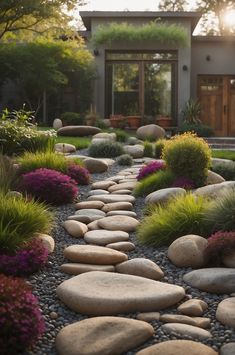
112,198
84,218
74,228
103,293
214,280
89,204
228,349
104,185
141,267
78,131
95,165
193,307
78,268
186,329
122,213
178,347
93,225
90,212
226,312
148,316
200,322
121,246
98,192
103,237
102,335
115,178
125,185
126,206
122,192
92,254
124,223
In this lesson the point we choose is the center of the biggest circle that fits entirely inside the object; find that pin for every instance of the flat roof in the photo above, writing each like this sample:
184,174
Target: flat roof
87,16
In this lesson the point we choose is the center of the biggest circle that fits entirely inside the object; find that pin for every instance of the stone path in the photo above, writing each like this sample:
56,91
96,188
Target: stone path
107,284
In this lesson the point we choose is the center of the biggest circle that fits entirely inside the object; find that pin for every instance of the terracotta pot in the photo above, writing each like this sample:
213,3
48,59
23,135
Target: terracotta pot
117,121
164,121
133,121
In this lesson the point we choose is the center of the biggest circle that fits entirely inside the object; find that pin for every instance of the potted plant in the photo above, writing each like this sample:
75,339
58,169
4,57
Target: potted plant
132,116
117,121
164,120
91,117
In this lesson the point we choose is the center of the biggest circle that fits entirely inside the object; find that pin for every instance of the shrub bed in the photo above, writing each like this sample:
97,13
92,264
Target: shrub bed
160,180
105,150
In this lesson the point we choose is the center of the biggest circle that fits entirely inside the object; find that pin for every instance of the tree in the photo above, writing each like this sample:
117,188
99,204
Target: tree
172,5
213,19
34,15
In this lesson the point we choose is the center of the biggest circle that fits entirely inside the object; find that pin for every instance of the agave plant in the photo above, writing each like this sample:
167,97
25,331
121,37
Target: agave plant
191,112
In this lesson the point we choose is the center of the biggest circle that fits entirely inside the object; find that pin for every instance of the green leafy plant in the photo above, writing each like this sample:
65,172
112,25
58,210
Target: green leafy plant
160,180
125,159
20,219
180,216
189,156
158,147
105,150
20,117
200,129
72,118
7,174
173,35
191,112
148,149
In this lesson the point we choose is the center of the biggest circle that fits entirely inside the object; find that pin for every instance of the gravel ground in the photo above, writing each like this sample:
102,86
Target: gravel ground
57,315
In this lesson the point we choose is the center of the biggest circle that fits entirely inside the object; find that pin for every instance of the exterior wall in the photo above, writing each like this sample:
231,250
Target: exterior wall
221,61
184,59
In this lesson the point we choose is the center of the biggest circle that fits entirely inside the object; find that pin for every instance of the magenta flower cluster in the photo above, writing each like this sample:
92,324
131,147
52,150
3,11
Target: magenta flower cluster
25,261
50,186
184,183
219,245
21,322
150,168
79,174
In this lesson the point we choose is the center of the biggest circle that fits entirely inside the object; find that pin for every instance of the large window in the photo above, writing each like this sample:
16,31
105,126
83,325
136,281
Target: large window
142,83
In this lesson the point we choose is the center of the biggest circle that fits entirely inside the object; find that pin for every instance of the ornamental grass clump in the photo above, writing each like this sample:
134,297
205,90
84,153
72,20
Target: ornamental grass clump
219,245
158,148
180,216
21,321
159,180
32,257
20,219
189,156
49,186
150,169
125,159
148,149
106,150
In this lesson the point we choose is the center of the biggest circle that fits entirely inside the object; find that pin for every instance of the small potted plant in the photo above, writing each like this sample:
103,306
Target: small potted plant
117,121
133,117
164,120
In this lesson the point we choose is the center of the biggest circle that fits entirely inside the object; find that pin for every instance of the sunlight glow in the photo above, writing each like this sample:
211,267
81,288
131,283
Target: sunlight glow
229,18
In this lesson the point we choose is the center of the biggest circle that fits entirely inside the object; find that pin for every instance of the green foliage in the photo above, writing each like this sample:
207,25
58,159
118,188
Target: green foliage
163,33
188,156
227,171
182,215
125,159
121,135
158,147
78,142
191,112
20,220
224,154
72,118
105,150
160,180
221,214
148,149
7,174
200,129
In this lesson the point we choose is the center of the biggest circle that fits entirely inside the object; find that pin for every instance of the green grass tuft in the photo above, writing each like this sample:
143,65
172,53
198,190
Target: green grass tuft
160,180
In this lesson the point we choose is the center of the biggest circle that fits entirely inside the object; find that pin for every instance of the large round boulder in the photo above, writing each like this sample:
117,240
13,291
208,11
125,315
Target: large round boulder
152,131
136,151
78,131
57,123
164,195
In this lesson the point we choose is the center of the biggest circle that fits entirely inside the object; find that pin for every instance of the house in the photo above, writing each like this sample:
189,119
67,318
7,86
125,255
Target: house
152,78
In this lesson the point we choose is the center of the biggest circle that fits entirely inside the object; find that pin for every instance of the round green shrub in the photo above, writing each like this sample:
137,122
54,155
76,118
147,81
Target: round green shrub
189,156
148,149
72,118
158,147
125,159
105,150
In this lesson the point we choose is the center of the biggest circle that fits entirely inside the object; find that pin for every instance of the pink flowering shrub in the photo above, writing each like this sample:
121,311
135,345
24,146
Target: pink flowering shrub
79,174
50,186
219,245
150,168
184,183
21,321
26,260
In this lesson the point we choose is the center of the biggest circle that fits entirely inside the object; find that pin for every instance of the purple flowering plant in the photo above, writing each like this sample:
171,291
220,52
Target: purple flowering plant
21,321
150,168
50,186
80,174
219,244
29,259
184,183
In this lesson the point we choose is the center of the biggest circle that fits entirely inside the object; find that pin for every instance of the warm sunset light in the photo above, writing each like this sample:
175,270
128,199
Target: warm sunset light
229,18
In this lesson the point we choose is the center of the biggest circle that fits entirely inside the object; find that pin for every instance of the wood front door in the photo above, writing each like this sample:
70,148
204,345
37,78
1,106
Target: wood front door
217,97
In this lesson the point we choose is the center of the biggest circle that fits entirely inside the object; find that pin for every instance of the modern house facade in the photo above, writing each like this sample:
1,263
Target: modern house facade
151,78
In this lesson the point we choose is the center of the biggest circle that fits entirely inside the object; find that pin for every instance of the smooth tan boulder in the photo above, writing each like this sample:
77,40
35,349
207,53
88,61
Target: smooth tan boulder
92,254
136,151
47,241
148,316
78,268
225,312
89,204
111,198
141,267
78,131
214,280
178,347
124,223
65,148
95,165
213,178
164,195
57,123
186,329
125,185
114,206
104,184
200,322
75,229
103,237
229,260
121,246
116,293
152,131
188,251
193,307
102,336
213,191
